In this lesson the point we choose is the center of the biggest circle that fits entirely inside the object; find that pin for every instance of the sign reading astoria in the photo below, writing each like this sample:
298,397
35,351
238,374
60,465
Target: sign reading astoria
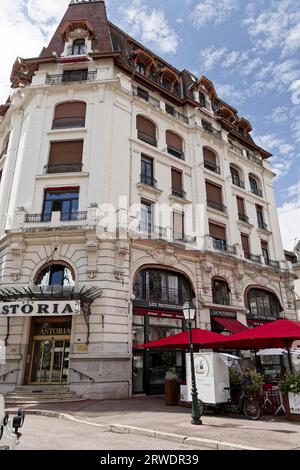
31,309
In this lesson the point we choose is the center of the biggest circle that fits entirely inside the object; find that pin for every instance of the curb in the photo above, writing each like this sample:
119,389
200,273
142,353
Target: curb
125,429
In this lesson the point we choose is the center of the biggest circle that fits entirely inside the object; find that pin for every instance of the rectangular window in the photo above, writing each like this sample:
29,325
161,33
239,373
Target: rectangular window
265,251
146,216
65,201
245,245
65,157
260,217
214,196
218,234
147,171
178,225
75,75
177,185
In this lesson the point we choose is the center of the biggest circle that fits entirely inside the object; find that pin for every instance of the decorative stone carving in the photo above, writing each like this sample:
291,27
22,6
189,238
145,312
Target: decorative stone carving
121,251
167,255
17,252
91,246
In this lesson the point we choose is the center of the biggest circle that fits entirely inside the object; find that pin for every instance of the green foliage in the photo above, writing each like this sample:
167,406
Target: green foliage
235,379
290,383
255,383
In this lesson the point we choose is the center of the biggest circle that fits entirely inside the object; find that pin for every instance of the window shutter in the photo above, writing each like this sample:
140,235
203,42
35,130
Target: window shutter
209,156
178,223
146,126
68,152
214,193
173,140
176,179
245,244
217,231
241,205
72,109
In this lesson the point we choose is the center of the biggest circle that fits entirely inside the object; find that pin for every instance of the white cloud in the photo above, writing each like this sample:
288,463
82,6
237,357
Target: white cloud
26,24
210,56
229,93
292,40
289,217
284,153
279,115
211,11
151,26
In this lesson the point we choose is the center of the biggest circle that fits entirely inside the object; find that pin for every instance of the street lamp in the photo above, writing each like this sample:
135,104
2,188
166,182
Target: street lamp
189,311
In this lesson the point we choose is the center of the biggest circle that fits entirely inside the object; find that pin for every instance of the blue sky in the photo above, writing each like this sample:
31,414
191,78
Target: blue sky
249,48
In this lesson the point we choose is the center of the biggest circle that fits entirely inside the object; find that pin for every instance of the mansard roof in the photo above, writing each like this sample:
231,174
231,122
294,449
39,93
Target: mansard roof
110,41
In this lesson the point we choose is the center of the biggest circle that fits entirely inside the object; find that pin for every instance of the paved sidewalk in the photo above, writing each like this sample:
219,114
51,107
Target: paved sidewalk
151,415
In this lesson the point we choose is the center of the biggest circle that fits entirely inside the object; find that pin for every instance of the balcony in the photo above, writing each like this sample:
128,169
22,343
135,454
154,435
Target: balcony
262,226
236,149
67,168
144,95
207,127
80,77
244,218
149,181
64,217
149,139
181,237
237,182
254,258
152,232
257,191
221,298
73,122
221,245
179,116
272,264
3,153
254,159
178,192
217,206
175,152
212,167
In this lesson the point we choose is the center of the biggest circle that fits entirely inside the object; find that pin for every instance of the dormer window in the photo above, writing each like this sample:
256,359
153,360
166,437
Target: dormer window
202,100
79,47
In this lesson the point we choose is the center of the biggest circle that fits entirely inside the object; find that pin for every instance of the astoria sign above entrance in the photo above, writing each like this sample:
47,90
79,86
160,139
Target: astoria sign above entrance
45,308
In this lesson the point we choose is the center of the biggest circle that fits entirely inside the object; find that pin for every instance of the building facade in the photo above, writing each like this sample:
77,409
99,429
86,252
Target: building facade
98,125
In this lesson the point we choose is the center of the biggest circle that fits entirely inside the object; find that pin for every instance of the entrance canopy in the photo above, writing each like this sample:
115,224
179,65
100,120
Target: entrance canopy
276,334
181,341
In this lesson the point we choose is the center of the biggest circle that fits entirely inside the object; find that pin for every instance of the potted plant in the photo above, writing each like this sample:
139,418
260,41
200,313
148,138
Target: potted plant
290,389
171,388
254,386
236,384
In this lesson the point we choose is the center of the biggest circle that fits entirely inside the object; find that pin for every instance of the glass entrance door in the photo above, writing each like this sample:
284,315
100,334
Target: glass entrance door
50,361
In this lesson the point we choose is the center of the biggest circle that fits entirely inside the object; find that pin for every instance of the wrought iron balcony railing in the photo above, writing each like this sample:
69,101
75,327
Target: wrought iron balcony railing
152,231
160,295
68,122
212,167
61,78
262,225
73,216
175,152
178,192
216,205
254,258
244,218
149,181
144,95
221,298
211,130
63,168
273,264
64,217
179,116
222,245
253,158
181,237
149,139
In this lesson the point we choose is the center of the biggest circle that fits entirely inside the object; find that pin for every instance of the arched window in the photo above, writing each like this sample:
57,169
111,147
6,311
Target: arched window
210,160
255,185
146,130
79,47
56,275
236,177
220,292
169,287
262,304
174,145
69,115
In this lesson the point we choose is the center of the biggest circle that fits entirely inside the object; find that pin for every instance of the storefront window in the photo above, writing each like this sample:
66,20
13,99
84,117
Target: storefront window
263,304
55,275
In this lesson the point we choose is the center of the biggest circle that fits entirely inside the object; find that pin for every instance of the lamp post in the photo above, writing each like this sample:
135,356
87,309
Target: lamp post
189,311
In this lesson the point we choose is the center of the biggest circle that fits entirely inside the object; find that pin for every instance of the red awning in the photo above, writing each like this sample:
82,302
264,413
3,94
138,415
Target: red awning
276,334
231,324
181,341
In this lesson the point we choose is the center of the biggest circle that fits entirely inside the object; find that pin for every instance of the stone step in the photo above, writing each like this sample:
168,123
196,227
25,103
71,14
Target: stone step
36,402
40,395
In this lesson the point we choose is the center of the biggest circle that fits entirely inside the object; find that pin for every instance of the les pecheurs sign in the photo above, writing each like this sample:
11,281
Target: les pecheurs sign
32,309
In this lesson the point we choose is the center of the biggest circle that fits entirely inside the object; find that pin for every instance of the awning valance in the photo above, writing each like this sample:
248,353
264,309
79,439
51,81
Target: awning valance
231,324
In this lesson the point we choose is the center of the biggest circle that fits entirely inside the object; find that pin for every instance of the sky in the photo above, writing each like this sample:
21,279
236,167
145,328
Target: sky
250,49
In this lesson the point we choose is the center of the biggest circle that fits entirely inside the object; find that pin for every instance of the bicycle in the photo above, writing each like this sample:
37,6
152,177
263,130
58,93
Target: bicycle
247,405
